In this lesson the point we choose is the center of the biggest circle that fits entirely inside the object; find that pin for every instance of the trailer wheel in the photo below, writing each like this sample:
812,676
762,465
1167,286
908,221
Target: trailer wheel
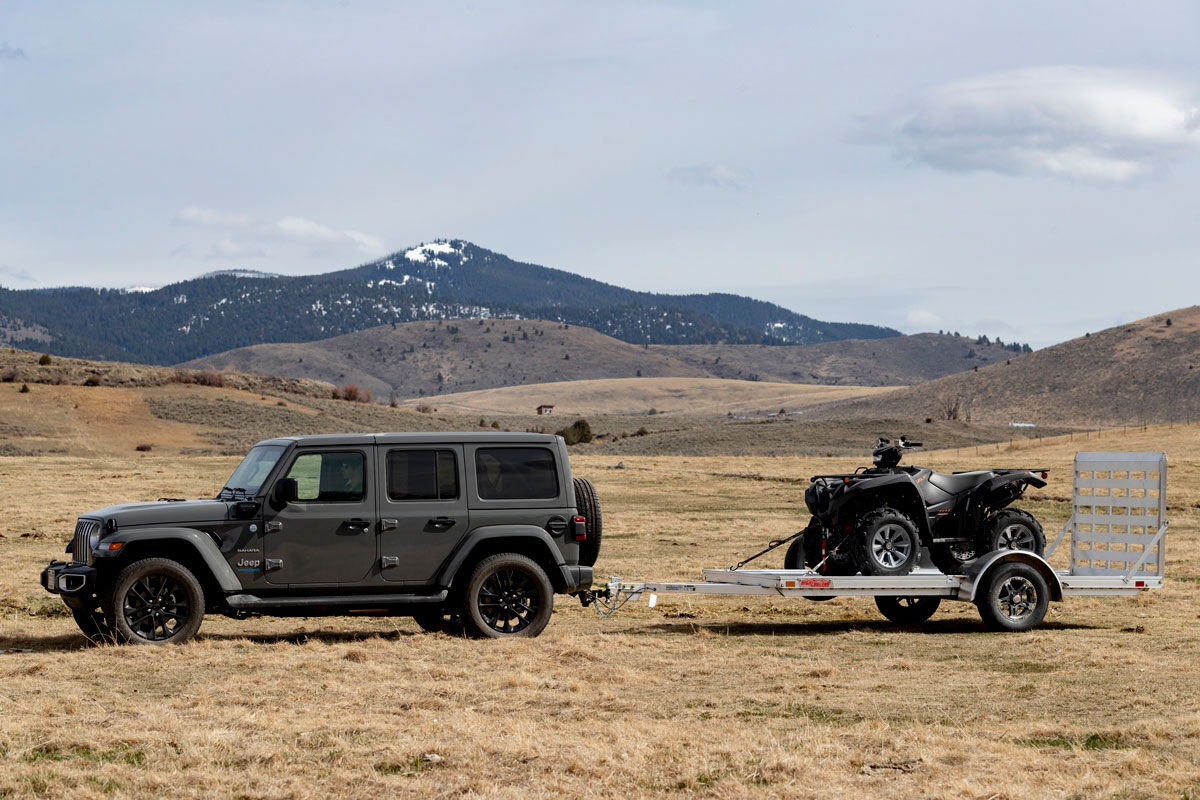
1015,597
886,543
907,610
587,503
1011,529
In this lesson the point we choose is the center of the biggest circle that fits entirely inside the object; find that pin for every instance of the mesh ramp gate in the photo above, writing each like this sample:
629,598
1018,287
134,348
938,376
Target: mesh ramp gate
1118,518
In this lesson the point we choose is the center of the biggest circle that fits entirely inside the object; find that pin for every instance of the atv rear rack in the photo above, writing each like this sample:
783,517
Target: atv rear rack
1118,530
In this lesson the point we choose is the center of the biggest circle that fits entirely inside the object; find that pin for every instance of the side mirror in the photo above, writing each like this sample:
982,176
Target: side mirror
285,491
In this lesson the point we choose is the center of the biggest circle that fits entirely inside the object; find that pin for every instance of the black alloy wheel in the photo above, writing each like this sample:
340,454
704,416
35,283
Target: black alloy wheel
156,601
1015,598
507,595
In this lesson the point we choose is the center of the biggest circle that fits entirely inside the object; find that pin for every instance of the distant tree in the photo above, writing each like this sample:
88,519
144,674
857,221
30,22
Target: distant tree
1168,322
45,359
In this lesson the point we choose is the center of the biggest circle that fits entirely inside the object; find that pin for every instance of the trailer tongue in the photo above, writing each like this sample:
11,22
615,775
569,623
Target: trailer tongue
1117,547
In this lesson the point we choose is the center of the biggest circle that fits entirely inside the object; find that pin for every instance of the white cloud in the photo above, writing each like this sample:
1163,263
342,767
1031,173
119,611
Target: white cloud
16,273
230,248
920,319
1078,123
721,176
10,53
213,218
300,228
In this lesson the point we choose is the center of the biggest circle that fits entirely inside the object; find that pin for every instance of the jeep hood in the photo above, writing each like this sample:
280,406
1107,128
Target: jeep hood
163,513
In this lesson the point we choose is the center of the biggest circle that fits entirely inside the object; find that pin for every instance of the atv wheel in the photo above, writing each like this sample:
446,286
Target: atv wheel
1015,598
886,543
907,610
587,503
1011,529
805,551
953,558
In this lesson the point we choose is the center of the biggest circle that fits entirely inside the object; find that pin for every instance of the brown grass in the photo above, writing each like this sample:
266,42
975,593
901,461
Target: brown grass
700,696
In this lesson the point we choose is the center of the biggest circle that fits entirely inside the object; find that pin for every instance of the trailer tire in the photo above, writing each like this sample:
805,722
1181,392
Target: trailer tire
1011,529
587,504
907,610
1014,598
886,543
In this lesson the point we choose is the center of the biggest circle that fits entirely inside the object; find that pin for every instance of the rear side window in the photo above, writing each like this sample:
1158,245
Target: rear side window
516,473
422,475
329,477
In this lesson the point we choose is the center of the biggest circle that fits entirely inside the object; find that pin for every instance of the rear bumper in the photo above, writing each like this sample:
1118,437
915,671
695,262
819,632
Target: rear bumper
71,580
577,578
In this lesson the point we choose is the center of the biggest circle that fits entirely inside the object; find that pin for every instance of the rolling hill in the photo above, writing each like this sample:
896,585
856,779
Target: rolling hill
1145,371
442,280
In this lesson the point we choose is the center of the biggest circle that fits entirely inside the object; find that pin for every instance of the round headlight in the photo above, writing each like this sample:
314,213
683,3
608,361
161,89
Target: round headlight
94,538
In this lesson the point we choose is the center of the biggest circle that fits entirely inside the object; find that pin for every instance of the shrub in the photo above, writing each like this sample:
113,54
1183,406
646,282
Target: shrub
353,393
209,377
45,359
641,431
144,448
24,388
578,432
92,380
424,408
496,423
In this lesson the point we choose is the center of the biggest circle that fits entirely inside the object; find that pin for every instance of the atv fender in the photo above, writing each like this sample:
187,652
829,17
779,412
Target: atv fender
201,543
982,493
899,492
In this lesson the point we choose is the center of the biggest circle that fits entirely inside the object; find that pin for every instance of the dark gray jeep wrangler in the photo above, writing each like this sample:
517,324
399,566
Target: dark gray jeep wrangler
465,532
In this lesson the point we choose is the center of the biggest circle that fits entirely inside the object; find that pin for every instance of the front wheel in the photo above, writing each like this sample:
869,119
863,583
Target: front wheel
92,624
155,601
1015,598
507,595
886,543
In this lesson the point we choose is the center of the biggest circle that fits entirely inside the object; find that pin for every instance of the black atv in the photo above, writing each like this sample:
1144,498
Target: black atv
876,520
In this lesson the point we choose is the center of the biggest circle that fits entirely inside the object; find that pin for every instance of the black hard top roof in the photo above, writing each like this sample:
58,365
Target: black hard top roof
432,437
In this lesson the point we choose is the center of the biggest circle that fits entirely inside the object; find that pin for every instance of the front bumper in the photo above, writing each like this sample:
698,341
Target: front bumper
72,580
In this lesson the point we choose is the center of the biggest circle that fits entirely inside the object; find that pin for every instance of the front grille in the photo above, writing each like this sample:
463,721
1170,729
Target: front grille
81,551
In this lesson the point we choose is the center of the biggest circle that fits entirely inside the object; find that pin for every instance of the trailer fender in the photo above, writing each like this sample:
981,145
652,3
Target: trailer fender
980,572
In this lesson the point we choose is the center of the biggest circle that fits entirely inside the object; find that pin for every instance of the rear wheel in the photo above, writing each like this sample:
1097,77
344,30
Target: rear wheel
907,610
507,595
587,503
886,543
1015,598
155,601
1011,529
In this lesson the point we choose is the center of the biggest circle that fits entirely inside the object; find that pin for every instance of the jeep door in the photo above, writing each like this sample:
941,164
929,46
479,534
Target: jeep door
422,509
326,536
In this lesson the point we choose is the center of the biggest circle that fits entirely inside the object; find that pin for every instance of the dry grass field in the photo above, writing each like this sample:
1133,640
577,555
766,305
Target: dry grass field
737,697
631,396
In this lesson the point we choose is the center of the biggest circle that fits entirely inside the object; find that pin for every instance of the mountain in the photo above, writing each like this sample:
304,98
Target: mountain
895,361
1147,371
442,280
419,359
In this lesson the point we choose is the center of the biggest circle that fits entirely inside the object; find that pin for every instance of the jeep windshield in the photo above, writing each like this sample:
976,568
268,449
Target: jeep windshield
254,469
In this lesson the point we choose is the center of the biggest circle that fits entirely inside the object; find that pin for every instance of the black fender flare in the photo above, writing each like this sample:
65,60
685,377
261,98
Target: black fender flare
203,545
900,483
531,540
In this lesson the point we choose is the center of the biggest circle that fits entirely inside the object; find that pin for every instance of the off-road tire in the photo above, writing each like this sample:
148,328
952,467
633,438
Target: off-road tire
440,619
507,595
907,610
93,624
875,531
155,601
952,559
1015,598
805,552
587,503
1011,529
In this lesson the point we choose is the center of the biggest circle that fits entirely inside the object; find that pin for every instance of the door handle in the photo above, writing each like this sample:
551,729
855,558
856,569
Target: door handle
358,522
272,564
388,524
386,562
442,522
274,527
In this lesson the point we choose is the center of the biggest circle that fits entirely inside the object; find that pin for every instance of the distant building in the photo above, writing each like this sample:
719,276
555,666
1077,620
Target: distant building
544,410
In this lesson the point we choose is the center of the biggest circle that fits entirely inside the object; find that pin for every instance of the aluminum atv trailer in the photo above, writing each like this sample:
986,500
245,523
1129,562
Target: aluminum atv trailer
1118,532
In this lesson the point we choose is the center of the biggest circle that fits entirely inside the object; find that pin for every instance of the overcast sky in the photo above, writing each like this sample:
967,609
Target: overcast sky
1027,170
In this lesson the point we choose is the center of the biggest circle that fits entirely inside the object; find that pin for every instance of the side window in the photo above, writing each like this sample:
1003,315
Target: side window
329,477
422,475
516,473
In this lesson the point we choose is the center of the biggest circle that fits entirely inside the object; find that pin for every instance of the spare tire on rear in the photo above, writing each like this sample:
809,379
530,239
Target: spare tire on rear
587,504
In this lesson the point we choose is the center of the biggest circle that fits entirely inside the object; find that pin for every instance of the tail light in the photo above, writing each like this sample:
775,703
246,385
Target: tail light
580,523
1045,475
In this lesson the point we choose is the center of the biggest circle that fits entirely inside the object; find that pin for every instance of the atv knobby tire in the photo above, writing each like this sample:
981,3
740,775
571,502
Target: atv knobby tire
1011,529
587,503
886,543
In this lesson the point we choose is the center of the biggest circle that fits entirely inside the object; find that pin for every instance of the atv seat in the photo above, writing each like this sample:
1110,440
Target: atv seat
958,482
